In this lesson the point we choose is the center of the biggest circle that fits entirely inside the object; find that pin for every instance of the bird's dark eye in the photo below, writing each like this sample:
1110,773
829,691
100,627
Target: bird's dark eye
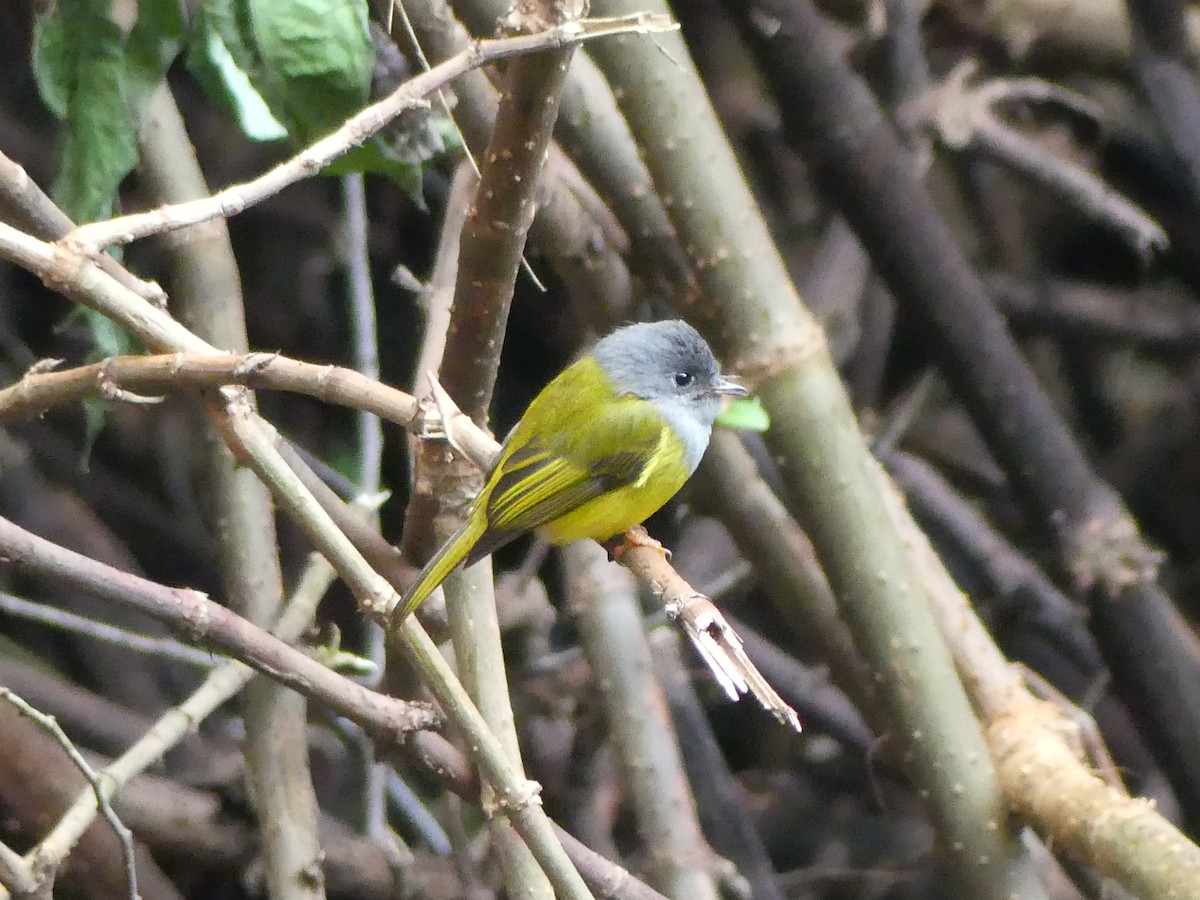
683,379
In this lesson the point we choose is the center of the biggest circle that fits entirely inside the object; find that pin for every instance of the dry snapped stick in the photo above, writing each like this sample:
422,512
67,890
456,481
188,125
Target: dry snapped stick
714,639
965,117
233,200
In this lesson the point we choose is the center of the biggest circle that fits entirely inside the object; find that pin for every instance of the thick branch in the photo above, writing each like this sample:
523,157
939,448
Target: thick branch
830,114
751,310
194,615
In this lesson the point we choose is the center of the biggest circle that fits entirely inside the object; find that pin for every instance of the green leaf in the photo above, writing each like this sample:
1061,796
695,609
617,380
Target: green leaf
108,339
230,20
304,67
99,84
745,414
95,416
332,656
51,63
315,61
375,157
209,59
79,64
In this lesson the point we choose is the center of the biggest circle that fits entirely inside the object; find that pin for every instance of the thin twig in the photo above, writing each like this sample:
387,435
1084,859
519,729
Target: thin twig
96,236
222,684
365,352
193,613
46,867
102,631
365,338
38,392
573,229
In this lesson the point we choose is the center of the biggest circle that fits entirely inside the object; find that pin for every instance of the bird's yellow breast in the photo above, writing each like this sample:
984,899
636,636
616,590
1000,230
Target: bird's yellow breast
620,509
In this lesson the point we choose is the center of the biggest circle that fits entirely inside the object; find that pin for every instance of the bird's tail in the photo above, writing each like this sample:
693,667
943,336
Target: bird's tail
442,563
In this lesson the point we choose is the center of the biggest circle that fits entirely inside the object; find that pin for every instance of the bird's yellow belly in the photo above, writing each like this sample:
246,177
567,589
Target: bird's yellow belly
615,511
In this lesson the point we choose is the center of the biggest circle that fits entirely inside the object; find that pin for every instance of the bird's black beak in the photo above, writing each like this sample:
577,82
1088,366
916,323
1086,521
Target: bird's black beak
727,388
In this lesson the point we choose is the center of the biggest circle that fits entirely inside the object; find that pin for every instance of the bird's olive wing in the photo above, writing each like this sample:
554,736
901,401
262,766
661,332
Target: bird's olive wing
549,476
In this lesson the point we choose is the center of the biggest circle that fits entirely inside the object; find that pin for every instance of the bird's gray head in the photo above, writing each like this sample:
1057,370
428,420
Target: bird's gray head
670,364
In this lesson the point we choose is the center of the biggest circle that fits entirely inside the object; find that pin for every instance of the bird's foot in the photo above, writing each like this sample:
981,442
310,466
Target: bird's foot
637,536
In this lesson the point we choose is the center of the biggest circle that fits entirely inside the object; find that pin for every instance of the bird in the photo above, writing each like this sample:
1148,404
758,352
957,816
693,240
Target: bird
603,446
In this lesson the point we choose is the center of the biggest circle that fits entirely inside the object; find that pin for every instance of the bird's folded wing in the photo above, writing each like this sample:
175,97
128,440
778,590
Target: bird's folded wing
547,477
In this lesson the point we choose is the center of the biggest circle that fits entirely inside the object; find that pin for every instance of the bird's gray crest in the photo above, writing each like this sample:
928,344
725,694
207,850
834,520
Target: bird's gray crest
643,359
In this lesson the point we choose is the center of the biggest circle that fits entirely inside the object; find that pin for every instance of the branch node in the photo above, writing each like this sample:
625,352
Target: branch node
761,361
511,802
253,363
42,366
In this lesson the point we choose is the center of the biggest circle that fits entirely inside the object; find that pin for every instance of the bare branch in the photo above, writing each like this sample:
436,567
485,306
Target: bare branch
233,200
